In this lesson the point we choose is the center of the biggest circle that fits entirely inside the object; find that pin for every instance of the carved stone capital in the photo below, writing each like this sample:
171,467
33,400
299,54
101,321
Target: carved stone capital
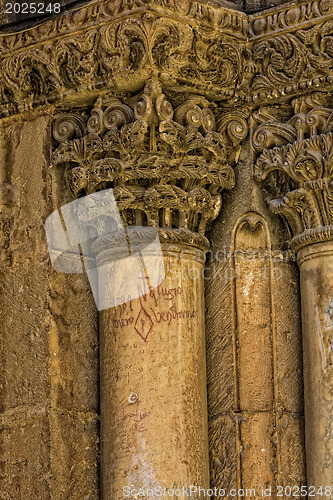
296,166
166,163
194,45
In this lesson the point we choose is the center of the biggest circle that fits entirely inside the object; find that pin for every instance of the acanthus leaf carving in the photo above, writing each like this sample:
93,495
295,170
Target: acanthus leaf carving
167,165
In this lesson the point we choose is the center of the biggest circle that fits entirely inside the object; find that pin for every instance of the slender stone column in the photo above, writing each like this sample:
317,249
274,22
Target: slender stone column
153,383
254,355
307,207
316,274
166,167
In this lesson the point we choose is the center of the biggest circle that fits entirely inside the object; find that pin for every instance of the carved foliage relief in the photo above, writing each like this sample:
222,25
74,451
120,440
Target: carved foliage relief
208,48
121,53
298,155
292,49
208,53
166,164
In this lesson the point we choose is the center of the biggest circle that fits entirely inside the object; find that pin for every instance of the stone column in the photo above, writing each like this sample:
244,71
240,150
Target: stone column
306,167
153,382
166,168
316,274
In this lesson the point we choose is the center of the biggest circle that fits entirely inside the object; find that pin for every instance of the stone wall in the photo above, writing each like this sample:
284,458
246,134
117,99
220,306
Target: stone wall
49,343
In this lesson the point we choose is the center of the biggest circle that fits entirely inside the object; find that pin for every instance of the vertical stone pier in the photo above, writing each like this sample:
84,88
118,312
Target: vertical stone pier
254,341
151,100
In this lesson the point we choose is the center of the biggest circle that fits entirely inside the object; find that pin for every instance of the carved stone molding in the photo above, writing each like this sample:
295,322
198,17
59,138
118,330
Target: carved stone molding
167,164
296,164
195,46
120,45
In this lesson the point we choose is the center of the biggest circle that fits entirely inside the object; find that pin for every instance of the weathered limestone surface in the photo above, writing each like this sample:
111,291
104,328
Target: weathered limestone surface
296,169
158,101
49,398
166,165
316,270
153,375
15,21
253,336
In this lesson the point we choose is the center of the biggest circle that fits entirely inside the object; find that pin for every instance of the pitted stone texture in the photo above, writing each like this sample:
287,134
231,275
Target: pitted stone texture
275,311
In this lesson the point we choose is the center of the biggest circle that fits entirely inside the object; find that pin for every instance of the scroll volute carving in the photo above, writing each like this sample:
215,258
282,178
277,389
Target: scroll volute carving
301,152
166,164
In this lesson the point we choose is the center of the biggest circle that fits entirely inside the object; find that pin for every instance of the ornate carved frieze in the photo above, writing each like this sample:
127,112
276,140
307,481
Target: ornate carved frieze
211,15
193,45
296,164
167,164
291,50
119,45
